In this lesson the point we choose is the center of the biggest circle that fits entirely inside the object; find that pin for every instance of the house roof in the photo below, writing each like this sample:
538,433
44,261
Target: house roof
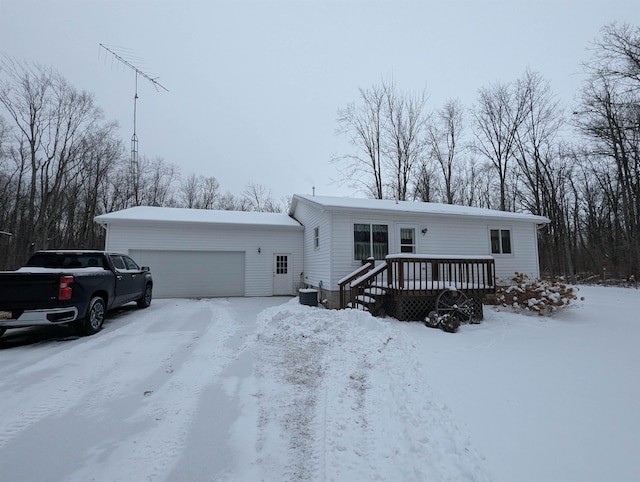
204,216
327,203
336,204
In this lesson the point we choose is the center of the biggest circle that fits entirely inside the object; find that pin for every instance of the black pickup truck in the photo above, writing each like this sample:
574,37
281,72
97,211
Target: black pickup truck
71,287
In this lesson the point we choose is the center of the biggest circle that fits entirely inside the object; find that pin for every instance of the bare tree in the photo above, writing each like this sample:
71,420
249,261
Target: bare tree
544,171
445,136
497,119
51,121
190,191
100,155
467,185
364,125
405,137
258,198
153,183
228,202
536,142
387,128
200,192
609,118
425,182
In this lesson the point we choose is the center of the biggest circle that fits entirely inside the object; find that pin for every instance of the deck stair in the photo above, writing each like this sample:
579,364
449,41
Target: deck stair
367,291
371,299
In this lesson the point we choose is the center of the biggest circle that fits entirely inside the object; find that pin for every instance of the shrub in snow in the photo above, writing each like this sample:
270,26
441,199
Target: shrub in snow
537,296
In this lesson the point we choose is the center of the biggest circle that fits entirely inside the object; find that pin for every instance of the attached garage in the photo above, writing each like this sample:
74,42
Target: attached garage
197,253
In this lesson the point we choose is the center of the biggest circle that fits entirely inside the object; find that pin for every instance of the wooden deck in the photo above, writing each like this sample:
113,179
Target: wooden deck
406,285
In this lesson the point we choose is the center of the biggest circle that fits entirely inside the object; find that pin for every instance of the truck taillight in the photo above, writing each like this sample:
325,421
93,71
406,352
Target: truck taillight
64,290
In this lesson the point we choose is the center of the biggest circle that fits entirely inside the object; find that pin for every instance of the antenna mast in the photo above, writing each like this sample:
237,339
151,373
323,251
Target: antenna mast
134,163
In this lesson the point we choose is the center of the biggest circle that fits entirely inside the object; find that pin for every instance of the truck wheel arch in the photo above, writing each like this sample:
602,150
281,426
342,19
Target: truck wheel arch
145,300
93,319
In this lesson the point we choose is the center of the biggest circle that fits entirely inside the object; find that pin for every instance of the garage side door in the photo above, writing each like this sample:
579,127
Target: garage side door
194,274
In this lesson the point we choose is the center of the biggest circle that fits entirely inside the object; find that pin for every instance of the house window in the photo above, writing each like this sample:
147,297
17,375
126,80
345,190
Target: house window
316,237
407,240
370,240
501,241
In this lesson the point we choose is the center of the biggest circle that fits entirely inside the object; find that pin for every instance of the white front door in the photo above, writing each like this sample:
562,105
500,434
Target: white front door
282,276
407,243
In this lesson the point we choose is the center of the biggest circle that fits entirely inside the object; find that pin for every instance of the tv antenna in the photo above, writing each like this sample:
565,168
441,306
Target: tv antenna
134,163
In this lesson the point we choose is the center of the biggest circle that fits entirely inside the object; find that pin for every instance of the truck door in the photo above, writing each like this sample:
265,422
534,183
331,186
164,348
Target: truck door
137,276
125,281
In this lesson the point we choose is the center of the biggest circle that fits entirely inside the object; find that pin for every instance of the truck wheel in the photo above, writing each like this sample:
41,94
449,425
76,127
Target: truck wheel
145,301
92,322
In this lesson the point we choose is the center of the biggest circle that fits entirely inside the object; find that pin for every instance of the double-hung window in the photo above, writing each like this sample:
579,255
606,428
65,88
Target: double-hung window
500,241
370,241
316,237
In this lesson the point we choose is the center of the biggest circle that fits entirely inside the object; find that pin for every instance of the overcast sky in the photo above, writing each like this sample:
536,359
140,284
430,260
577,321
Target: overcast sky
254,87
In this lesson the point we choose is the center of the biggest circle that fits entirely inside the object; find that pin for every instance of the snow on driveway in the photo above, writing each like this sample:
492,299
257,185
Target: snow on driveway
265,389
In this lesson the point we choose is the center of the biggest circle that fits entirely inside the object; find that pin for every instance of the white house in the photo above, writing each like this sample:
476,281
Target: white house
204,253
341,232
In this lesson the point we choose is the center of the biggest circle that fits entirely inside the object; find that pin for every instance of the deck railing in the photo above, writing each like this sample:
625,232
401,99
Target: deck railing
421,275
415,274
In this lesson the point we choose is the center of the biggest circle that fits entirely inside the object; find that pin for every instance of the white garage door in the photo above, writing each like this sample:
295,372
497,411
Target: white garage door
194,274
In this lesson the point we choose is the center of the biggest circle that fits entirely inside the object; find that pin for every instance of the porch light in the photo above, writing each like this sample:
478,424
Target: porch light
259,250
424,230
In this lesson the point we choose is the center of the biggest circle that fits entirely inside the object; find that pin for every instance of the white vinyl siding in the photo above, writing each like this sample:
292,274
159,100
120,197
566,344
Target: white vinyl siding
317,260
445,235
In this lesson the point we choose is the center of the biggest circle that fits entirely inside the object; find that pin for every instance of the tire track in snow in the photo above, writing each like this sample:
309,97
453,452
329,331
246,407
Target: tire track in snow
167,413
109,377
62,380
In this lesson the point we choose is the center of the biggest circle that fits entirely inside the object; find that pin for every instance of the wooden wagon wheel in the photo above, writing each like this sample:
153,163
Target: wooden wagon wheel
456,303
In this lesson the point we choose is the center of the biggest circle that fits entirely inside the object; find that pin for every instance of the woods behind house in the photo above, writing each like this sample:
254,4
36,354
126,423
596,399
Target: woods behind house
517,148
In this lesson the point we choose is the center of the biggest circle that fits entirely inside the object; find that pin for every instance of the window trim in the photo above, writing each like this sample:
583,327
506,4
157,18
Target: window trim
501,230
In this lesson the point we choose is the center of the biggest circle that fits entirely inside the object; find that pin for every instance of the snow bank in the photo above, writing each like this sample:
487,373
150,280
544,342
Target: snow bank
344,396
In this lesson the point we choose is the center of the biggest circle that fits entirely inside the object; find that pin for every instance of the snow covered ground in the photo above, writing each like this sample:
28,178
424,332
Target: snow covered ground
265,389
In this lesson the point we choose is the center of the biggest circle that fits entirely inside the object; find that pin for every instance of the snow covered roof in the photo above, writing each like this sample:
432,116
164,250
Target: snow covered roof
206,216
330,203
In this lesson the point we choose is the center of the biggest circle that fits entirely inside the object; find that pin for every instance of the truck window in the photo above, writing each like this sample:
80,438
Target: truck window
94,262
131,264
117,262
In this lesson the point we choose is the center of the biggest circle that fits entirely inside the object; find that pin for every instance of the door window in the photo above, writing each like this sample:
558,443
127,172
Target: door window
130,264
282,264
407,240
118,262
